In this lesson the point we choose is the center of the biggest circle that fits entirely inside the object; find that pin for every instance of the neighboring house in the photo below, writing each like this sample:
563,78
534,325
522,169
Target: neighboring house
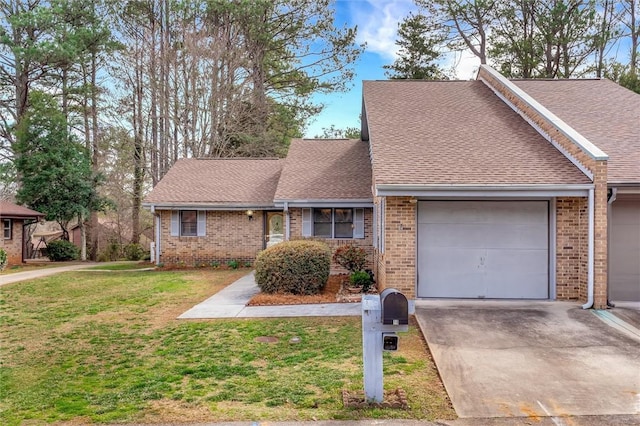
467,189
15,219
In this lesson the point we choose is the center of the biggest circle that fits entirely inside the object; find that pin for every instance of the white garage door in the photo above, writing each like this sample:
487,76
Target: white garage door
483,249
624,251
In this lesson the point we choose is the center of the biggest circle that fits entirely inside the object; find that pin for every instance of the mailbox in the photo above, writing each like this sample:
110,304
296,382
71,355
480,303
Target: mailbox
394,307
389,341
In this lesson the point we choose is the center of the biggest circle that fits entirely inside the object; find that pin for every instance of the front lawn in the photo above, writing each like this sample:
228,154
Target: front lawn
102,347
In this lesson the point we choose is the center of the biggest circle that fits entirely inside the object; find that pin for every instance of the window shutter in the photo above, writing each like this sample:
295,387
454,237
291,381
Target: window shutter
202,223
358,223
306,222
175,223
375,226
383,223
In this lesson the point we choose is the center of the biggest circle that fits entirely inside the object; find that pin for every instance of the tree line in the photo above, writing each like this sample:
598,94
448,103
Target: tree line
524,38
98,99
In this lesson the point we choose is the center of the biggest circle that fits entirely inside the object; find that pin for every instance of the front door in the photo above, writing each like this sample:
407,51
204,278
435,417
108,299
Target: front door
274,232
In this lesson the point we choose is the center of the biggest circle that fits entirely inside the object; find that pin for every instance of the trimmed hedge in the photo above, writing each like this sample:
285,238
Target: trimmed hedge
61,250
297,267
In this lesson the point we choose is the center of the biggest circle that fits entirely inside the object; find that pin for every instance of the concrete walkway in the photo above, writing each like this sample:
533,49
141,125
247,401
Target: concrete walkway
39,273
231,302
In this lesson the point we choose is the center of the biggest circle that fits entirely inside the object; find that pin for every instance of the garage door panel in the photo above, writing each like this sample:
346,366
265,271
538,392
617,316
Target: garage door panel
471,249
445,235
506,270
517,236
452,271
624,251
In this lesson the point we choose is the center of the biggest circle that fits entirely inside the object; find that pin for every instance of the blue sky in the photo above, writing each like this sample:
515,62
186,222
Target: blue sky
377,22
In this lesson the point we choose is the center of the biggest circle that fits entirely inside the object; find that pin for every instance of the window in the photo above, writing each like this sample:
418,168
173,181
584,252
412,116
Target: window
189,223
6,225
322,220
333,223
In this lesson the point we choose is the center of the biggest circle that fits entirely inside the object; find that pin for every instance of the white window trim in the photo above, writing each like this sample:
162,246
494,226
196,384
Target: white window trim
6,228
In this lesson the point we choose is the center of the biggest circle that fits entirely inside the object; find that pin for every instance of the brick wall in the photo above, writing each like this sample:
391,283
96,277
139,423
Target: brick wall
571,248
597,167
295,218
13,247
398,263
230,236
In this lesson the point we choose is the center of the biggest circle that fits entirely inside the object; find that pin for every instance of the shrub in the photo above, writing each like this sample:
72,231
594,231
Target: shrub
297,267
233,264
361,279
3,259
133,252
61,250
350,257
111,252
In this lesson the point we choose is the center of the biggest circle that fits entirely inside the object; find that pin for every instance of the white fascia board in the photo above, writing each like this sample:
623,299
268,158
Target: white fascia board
325,203
626,189
179,206
483,191
583,143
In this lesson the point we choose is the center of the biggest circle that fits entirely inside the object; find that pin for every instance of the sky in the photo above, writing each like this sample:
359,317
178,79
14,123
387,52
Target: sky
377,22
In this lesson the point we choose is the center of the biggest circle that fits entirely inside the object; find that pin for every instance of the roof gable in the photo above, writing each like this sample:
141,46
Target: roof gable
605,113
456,133
326,169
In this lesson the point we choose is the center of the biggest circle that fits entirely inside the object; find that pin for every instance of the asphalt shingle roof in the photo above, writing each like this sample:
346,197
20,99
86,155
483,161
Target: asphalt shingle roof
223,182
14,211
456,132
326,169
605,113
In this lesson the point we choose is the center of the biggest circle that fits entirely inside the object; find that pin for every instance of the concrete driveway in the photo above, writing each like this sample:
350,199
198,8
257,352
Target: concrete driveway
530,359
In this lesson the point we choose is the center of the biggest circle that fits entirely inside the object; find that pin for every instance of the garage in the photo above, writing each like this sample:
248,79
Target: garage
483,249
624,250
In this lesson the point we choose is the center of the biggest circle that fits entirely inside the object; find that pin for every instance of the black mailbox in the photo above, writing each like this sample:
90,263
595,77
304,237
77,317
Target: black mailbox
395,308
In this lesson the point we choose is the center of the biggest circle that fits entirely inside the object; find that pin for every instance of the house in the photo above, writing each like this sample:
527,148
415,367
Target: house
15,222
489,188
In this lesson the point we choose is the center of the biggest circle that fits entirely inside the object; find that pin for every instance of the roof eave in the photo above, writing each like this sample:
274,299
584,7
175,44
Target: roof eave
324,202
481,190
206,206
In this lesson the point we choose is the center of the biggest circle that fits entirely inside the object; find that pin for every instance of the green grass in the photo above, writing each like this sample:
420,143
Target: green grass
121,266
87,347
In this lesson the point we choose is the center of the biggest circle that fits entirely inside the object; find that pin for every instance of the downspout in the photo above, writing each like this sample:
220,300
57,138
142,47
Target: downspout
590,249
287,232
612,198
158,234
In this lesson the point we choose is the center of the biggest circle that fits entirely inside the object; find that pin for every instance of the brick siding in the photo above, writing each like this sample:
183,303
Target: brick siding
230,235
397,266
571,248
13,246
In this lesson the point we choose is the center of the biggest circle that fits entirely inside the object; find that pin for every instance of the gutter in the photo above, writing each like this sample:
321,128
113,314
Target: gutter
207,207
470,190
590,256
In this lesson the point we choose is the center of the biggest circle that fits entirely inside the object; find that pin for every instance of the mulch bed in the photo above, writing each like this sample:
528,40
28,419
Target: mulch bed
332,292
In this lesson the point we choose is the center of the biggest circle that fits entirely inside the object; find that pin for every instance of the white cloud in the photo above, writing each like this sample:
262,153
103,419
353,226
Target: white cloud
377,22
464,63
